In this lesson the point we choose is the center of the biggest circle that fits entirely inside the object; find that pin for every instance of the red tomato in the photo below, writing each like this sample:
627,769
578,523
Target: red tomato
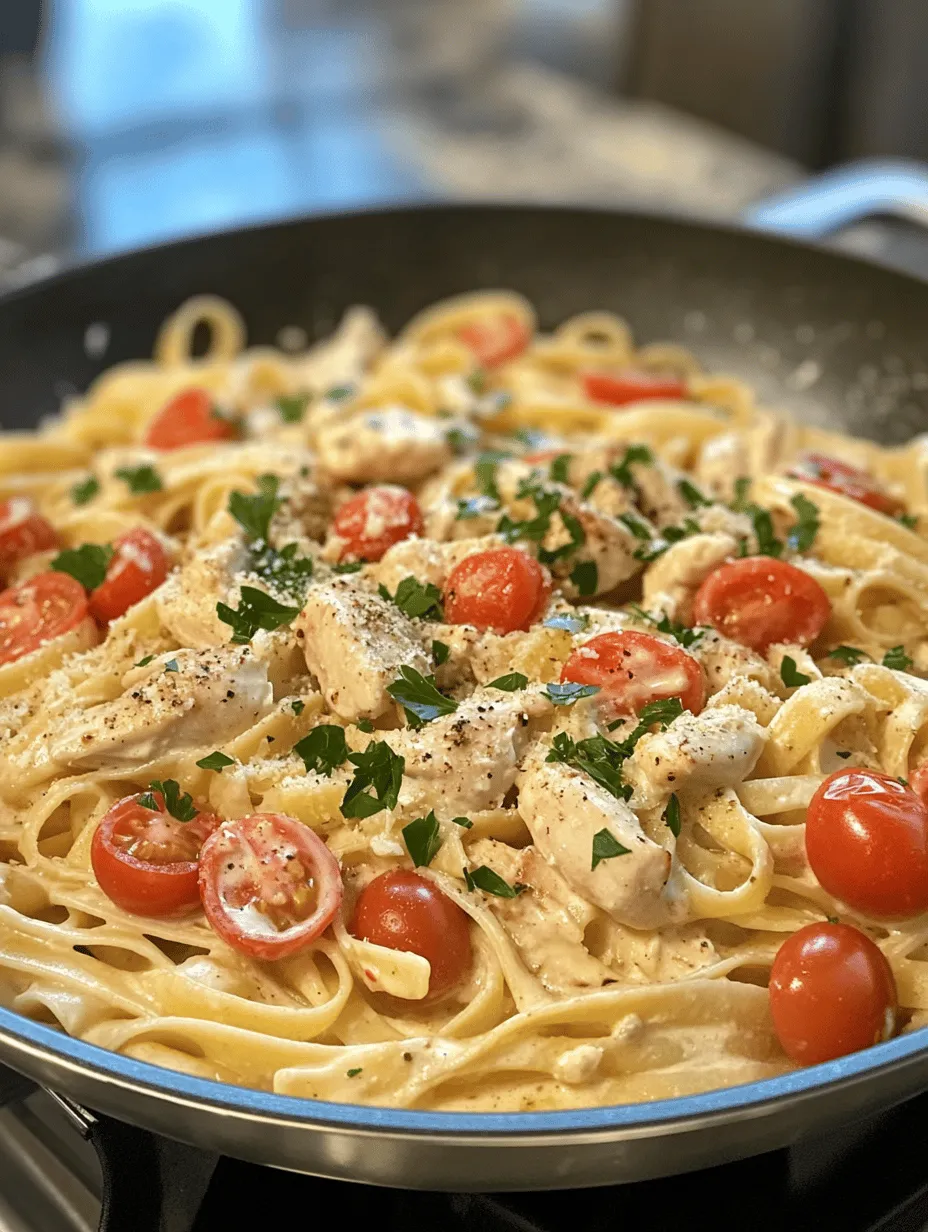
867,842
145,860
138,567
631,385
542,456
374,520
403,911
633,669
831,992
846,480
23,532
188,419
269,885
495,339
502,589
758,601
46,606
918,781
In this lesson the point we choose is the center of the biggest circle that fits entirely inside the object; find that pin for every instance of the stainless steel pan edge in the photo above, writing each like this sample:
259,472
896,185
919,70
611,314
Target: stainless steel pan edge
472,1151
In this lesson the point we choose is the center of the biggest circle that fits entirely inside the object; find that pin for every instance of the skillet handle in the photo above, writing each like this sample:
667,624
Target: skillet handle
845,195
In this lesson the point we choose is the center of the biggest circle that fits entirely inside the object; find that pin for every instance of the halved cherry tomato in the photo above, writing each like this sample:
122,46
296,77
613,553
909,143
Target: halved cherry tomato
495,339
145,860
542,456
403,911
23,532
846,480
375,519
759,600
502,589
46,606
139,565
269,885
633,669
188,419
831,992
631,385
867,842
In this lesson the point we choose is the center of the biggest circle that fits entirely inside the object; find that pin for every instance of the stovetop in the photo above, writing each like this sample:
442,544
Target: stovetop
870,1177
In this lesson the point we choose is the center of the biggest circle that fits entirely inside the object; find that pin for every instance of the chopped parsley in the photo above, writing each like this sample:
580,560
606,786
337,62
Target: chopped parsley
790,674
440,652
635,525
297,706
284,570
668,536
621,471
470,507
254,513
908,520
569,692
459,440
848,654
531,438
216,761
671,816
572,623
897,658
171,666
510,683
140,479
256,610
292,407
691,494
559,470
485,879
485,473
418,600
679,632
464,822
364,725
377,780
145,662
802,534
423,839
419,697
606,847
663,711
585,576
338,393
324,749
348,566
84,492
353,1073
591,484
179,806
86,564
477,381
596,756
767,542
740,502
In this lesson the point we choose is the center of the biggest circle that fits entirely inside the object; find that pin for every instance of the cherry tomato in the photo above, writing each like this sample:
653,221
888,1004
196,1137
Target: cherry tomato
138,567
495,339
46,606
846,480
758,601
145,860
403,911
23,532
831,992
867,842
502,589
918,781
631,385
543,456
633,669
188,419
269,885
375,519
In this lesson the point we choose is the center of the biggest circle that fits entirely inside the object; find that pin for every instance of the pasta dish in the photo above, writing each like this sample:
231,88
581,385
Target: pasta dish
485,719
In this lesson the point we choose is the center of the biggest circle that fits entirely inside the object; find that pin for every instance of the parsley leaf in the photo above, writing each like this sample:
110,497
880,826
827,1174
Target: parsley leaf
621,472
348,566
284,570
364,725
171,666
790,674
591,484
909,520
377,780
470,507
256,610
140,479
606,847
417,599
459,440
477,381
485,473
569,692
531,438
669,535
596,756
897,659
510,683
179,806
216,761
323,749
86,564
353,1073
559,470
635,525
740,502
464,822
292,407
485,879
254,513
419,697
691,494
440,652
585,576
663,711
567,620
297,705
671,816
145,662
848,654
679,632
802,534
767,542
338,393
81,493
423,839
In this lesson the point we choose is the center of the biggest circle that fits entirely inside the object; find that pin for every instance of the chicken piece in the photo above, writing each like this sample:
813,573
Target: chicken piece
723,460
389,443
206,698
304,515
564,810
346,355
355,643
467,761
546,921
187,600
718,748
657,492
426,560
673,579
724,660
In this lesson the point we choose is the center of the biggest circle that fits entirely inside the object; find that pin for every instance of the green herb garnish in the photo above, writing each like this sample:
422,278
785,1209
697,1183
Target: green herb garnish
464,822
585,576
419,697
791,676
423,839
569,692
84,492
172,666
897,659
179,806
742,487
635,525
418,600
140,479
671,816
364,725
145,662
256,610
297,706
440,652
86,564
216,761
691,494
377,780
348,566
292,407
621,471
485,879
606,847
850,655
802,534
324,749
559,470
510,683
254,513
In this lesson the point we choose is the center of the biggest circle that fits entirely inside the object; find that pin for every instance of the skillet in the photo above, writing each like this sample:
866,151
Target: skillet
837,341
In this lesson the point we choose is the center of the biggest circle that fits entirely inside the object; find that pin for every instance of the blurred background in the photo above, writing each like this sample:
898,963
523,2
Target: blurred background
124,122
